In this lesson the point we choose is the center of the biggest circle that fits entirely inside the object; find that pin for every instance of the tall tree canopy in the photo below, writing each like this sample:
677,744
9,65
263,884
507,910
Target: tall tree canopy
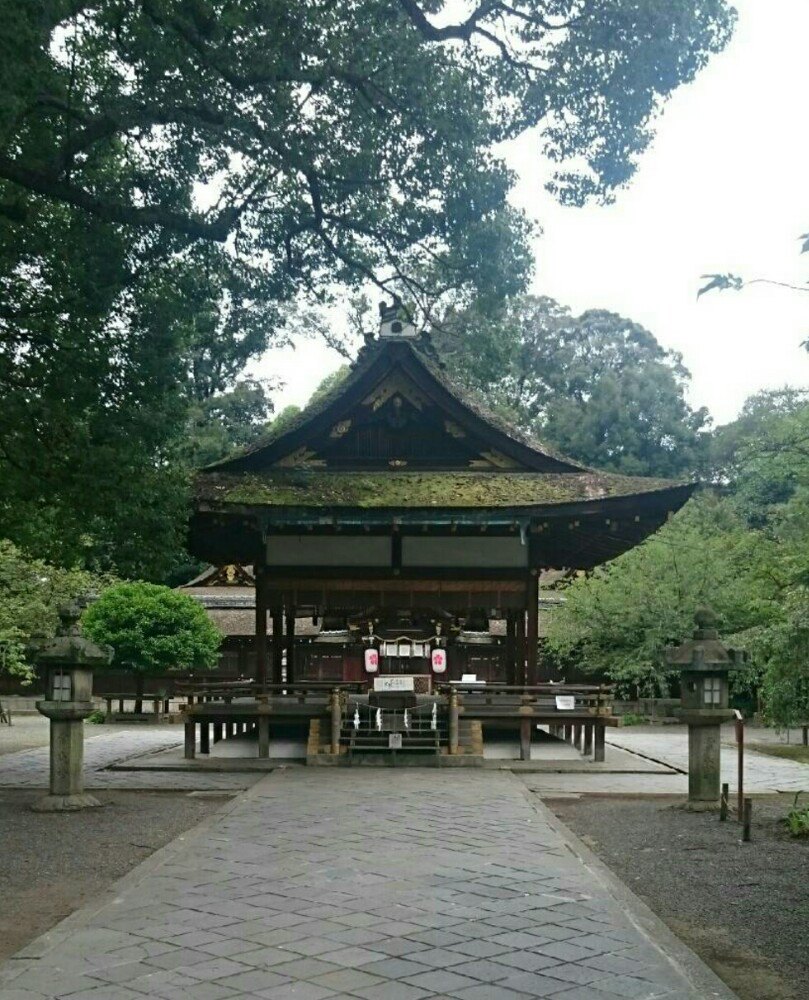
742,547
598,387
173,170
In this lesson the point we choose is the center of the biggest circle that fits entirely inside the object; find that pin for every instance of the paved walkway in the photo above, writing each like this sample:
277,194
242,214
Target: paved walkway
370,884
762,772
114,745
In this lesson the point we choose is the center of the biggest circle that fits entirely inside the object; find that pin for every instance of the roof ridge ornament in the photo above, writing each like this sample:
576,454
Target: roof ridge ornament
394,322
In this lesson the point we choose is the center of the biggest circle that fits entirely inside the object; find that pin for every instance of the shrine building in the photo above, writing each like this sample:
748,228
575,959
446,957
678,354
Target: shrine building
409,526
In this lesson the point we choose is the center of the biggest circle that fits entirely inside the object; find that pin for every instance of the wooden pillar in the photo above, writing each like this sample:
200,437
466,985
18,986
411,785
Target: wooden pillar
532,629
577,735
261,627
526,727
599,752
205,737
264,735
519,648
290,643
336,720
588,739
454,721
190,740
511,648
218,731
277,643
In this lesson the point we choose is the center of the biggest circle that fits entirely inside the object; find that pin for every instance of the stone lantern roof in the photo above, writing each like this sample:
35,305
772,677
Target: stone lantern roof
704,651
69,648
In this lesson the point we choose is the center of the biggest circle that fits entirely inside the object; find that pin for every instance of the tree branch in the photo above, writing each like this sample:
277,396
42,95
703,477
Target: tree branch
129,215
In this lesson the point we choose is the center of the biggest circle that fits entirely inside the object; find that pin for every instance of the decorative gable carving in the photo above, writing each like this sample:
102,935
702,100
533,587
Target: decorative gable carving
301,458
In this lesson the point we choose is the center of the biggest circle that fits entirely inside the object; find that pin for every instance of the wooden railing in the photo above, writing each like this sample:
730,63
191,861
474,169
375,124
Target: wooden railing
592,699
208,691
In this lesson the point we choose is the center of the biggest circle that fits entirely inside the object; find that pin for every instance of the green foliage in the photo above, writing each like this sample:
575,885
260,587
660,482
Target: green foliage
328,385
31,592
797,819
633,719
620,618
96,718
173,172
597,387
153,629
743,549
221,423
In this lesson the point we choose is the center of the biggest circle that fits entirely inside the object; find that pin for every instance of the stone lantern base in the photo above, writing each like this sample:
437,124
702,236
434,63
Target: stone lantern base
65,803
704,757
67,792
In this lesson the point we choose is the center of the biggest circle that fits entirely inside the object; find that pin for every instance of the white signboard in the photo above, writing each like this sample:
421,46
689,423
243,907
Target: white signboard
395,741
439,661
566,702
394,682
371,661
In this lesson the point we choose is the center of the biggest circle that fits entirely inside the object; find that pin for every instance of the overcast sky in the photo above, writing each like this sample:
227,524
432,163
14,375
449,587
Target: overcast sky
723,188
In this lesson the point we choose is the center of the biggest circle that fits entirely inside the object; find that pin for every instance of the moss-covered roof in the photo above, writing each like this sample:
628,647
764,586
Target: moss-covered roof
412,490
374,351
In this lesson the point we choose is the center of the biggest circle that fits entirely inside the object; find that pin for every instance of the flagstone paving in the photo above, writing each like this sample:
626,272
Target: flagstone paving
763,774
365,883
112,745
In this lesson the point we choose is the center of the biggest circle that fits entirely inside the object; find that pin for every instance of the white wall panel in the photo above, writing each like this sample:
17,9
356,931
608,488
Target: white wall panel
464,553
341,550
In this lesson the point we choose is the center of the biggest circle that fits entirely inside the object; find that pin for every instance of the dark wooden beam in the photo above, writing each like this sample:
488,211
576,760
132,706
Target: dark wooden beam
532,629
277,644
289,642
511,648
519,639
261,625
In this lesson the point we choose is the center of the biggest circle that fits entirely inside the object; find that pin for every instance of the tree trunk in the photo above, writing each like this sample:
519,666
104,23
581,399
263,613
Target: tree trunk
140,681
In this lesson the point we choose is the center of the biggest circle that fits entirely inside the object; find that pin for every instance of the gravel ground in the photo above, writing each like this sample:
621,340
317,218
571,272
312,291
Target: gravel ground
744,908
53,863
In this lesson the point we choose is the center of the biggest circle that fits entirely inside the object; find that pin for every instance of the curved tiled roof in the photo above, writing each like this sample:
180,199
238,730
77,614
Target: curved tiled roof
402,489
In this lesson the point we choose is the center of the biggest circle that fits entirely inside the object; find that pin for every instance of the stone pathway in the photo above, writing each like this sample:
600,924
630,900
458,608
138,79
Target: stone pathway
762,772
365,883
29,768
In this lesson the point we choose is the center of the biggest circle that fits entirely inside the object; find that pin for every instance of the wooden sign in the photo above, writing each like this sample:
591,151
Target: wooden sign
394,682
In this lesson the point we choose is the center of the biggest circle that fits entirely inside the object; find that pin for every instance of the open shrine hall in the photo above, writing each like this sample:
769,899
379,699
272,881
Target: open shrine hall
392,539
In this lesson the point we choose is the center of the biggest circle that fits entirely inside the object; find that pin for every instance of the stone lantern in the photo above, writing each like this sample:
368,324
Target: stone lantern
704,663
70,660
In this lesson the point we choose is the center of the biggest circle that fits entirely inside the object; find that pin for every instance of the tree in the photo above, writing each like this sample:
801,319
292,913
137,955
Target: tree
172,171
222,423
743,548
31,592
153,630
597,387
726,281
619,619
348,137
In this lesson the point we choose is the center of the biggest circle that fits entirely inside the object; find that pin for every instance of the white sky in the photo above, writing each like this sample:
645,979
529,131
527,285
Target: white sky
723,188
